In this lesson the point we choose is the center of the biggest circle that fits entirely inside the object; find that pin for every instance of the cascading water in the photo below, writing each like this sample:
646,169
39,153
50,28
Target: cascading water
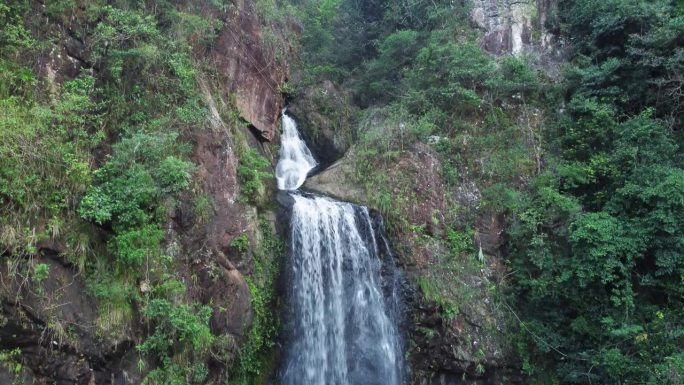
343,298
295,160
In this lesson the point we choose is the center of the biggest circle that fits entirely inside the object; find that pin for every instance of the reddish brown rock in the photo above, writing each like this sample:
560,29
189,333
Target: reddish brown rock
217,171
249,70
59,335
209,239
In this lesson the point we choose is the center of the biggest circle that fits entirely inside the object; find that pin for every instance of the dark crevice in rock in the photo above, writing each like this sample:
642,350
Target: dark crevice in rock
257,133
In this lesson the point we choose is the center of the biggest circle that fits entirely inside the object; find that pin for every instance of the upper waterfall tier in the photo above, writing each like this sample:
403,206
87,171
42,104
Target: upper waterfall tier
295,160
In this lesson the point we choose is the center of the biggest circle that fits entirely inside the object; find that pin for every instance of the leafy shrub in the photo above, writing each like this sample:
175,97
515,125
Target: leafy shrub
252,170
241,243
381,82
11,361
264,328
13,35
180,332
121,29
134,247
40,272
178,327
130,186
514,76
448,73
460,241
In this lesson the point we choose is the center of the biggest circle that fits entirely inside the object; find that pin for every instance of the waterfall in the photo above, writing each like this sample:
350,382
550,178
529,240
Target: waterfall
341,327
295,160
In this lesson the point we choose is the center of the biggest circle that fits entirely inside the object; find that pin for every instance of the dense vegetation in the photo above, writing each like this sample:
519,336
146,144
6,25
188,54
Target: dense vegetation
101,161
587,169
596,239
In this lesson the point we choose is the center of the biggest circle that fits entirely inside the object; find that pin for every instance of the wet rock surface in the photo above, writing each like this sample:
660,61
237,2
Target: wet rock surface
52,323
520,27
331,182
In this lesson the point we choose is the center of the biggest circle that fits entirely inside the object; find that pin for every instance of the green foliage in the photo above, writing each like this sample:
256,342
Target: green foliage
433,290
382,79
40,272
254,356
171,373
589,262
241,243
137,246
448,73
10,359
631,54
14,34
197,28
58,180
448,281
204,207
178,327
340,34
253,169
591,245
180,330
592,201
514,75
460,241
45,152
121,28
130,186
116,298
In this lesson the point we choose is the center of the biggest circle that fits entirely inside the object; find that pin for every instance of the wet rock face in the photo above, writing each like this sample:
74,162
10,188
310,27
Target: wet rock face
332,182
209,239
218,164
460,350
514,26
507,24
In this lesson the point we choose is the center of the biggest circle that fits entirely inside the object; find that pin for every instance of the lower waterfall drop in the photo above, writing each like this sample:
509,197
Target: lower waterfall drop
343,332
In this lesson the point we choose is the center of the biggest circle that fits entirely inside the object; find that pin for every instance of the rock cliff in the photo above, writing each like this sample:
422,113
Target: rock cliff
517,27
250,70
58,328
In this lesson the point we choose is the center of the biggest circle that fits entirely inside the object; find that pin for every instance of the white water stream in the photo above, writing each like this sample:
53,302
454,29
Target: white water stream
295,160
343,328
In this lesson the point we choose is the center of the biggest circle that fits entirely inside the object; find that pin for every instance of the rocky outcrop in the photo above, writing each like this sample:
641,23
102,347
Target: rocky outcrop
516,26
332,182
208,236
52,323
249,71
56,323
467,347
324,115
458,351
